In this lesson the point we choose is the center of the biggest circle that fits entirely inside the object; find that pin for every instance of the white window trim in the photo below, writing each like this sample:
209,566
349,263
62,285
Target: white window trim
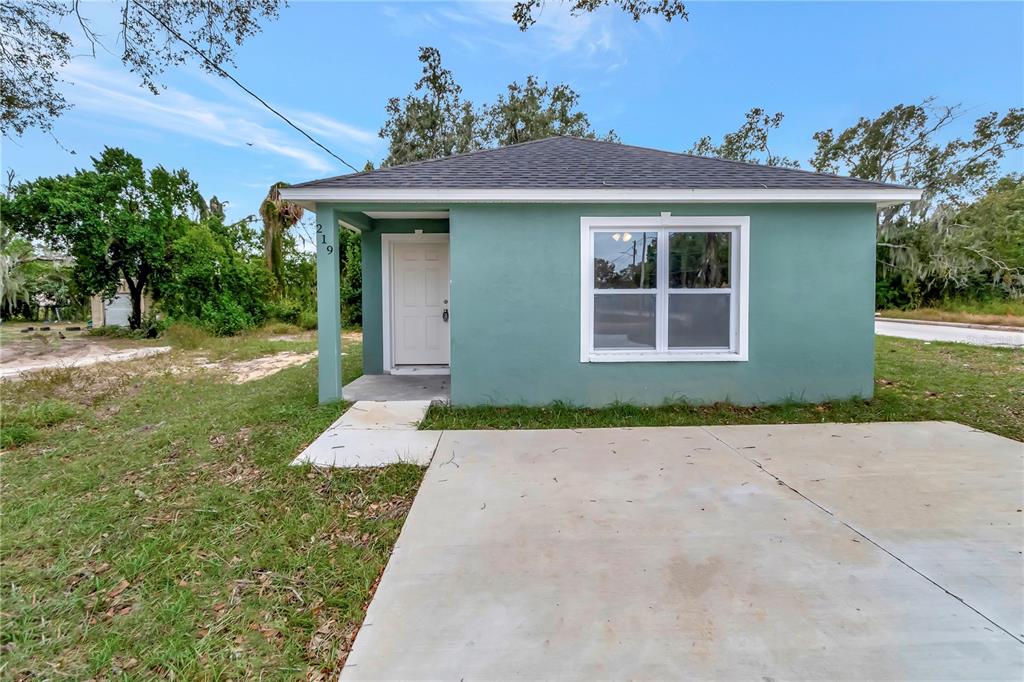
387,242
739,275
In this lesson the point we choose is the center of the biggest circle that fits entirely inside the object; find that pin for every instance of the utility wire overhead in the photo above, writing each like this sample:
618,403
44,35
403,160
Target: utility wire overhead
209,62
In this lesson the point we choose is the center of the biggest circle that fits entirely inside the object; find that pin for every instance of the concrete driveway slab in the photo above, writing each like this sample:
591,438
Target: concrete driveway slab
944,497
651,553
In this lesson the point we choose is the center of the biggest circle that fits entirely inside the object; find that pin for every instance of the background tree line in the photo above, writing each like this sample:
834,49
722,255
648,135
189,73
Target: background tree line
965,238
155,232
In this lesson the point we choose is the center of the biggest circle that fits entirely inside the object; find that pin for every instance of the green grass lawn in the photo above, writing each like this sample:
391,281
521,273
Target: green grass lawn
152,526
982,387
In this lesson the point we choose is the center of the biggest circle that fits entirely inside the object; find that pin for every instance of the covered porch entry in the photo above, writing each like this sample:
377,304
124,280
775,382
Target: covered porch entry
406,303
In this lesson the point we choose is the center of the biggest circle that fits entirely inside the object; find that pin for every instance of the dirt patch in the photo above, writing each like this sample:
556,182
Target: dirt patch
33,355
244,371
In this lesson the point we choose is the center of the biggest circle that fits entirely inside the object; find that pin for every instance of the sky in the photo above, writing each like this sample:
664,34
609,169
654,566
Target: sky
331,66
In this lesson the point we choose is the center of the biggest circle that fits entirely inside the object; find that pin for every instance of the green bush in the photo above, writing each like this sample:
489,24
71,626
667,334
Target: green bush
285,310
224,316
351,280
214,286
307,320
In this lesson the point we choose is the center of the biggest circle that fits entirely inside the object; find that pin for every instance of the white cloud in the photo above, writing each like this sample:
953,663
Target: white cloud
116,95
338,130
557,33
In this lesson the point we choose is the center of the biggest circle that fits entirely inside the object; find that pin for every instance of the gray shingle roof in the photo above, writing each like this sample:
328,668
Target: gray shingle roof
575,163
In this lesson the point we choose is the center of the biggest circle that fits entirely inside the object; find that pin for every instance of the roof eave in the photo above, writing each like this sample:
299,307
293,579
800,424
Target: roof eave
881,196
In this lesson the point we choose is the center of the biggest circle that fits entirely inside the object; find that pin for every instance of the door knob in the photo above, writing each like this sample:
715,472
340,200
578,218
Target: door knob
444,315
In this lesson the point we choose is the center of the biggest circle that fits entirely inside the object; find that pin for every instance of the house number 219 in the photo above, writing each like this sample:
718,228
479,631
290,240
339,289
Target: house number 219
323,238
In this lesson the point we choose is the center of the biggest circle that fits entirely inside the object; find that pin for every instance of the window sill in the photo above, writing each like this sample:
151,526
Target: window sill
641,356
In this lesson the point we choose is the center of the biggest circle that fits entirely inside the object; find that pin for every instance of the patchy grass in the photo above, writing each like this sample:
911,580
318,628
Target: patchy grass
1008,313
245,346
982,387
153,528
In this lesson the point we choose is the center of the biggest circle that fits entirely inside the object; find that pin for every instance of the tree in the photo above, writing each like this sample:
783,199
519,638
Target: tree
433,121
748,143
920,246
34,46
31,53
534,111
991,232
669,9
15,255
117,221
439,123
278,215
902,146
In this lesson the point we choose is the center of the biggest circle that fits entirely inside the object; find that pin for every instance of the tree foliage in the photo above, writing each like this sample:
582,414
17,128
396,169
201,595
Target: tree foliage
116,220
35,45
926,248
15,256
524,10
278,216
435,121
31,53
533,111
905,145
351,279
749,142
214,285
944,244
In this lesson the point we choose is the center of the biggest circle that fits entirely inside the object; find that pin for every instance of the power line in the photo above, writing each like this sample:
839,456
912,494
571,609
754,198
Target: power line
216,67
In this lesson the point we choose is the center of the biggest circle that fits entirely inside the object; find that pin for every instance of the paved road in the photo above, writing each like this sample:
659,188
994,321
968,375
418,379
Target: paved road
936,332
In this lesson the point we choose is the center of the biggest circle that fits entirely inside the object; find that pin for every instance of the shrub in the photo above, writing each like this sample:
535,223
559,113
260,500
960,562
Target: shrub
351,280
212,285
225,317
285,310
307,320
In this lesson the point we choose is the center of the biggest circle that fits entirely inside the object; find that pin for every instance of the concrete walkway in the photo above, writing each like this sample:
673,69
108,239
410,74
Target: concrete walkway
956,333
870,551
396,387
373,434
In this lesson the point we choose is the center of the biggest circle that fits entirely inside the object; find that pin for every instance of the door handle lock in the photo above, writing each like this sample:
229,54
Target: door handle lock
444,315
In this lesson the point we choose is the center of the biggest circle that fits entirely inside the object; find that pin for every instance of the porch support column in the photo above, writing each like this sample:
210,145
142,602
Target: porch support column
328,304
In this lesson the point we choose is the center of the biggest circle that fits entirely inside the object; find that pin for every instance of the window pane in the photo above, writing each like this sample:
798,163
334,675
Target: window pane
698,320
698,260
625,260
624,320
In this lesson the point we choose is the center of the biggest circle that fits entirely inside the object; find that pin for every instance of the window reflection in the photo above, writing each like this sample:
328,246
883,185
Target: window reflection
698,260
625,260
624,321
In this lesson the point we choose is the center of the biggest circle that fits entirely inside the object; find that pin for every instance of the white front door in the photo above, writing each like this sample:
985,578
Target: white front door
419,289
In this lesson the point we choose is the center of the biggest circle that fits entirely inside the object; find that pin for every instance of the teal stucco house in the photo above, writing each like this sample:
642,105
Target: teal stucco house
592,272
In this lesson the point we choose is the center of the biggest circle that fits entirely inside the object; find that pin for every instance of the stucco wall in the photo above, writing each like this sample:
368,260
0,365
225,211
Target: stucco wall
515,309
